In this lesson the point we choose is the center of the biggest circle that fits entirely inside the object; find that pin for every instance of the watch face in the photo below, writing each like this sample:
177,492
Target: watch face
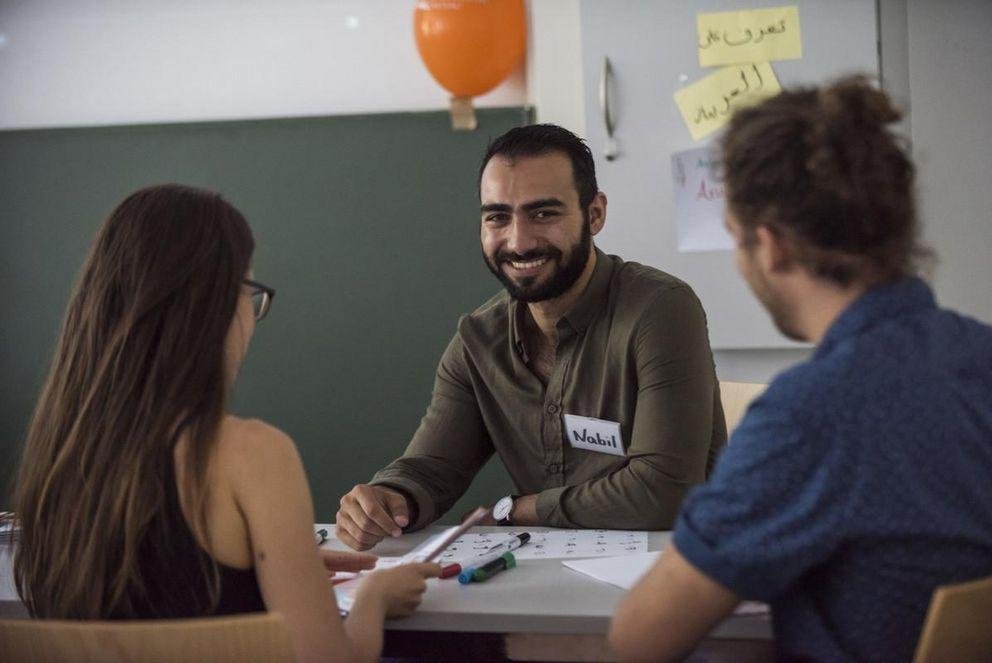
501,510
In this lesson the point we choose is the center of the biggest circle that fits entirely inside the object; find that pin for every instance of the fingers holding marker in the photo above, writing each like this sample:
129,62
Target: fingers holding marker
425,569
403,586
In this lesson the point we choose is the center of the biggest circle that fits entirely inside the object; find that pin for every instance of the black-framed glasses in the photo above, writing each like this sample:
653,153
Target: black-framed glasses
261,298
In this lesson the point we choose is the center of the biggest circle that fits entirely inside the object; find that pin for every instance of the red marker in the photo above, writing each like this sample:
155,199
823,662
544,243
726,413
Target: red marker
451,570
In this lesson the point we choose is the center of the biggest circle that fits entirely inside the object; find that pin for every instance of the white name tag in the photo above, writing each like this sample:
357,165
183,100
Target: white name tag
594,434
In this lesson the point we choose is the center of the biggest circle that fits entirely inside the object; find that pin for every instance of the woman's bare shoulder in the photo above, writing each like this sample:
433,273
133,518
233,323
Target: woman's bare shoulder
251,446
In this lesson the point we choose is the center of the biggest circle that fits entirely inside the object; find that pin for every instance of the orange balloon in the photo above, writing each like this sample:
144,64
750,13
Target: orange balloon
470,46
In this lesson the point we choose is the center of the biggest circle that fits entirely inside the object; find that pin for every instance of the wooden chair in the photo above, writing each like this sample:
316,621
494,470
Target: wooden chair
736,396
255,637
958,626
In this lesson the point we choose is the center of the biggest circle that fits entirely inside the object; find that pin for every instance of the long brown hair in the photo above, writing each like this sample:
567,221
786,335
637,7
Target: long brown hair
820,166
140,360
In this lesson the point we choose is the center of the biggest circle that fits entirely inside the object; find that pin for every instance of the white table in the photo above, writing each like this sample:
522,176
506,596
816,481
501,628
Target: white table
10,602
540,610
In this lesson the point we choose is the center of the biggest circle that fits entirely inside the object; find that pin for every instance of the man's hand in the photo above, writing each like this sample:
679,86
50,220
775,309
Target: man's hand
368,514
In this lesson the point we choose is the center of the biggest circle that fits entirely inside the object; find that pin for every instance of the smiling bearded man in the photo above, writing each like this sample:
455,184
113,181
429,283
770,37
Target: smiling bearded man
592,378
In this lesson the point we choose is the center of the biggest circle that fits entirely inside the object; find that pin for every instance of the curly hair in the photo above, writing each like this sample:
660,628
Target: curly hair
820,166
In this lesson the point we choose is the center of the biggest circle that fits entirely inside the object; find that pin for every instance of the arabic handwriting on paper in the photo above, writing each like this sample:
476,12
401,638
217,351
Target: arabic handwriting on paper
699,201
707,104
554,544
756,35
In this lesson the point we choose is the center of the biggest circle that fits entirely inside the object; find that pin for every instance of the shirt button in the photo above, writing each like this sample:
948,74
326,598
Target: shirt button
553,468
552,408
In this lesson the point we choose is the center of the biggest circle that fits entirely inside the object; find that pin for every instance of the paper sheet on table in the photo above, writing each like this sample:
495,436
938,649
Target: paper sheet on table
755,35
707,104
699,201
345,595
345,592
553,544
624,572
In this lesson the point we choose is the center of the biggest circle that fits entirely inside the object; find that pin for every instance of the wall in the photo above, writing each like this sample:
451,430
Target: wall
85,63
369,239
554,64
950,88
61,64
107,62
934,61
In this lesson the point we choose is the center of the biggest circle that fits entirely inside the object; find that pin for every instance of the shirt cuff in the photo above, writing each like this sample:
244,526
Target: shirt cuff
708,561
425,504
549,511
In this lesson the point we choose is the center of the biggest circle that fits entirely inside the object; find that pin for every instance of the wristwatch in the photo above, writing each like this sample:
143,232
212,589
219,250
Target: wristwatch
502,510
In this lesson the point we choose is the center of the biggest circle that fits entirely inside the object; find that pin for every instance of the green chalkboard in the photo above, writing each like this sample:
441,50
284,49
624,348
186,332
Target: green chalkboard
367,226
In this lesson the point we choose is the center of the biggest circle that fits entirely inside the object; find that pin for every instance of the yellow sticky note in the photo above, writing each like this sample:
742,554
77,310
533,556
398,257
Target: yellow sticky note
707,104
756,35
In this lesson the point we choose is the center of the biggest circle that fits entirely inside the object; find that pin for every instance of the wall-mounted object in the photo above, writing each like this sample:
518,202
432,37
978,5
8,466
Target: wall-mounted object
470,47
653,50
612,151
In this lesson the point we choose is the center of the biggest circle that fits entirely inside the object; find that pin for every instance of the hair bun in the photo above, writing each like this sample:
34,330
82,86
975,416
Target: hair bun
854,103
846,123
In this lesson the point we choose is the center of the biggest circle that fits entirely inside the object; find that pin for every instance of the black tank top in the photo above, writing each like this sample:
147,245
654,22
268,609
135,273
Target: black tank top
173,569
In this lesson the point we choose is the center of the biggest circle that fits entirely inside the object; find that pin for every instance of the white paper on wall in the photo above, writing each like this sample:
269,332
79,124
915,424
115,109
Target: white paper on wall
699,201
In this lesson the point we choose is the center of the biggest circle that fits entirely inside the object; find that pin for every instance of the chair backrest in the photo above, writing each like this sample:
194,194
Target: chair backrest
736,396
958,626
256,637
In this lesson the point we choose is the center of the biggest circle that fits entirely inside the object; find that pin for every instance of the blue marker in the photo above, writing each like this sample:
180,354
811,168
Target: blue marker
495,552
498,565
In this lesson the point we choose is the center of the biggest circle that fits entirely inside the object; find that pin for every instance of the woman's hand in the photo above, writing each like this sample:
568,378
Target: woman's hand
339,561
400,588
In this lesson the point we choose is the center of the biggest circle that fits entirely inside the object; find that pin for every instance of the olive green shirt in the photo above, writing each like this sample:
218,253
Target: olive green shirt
634,350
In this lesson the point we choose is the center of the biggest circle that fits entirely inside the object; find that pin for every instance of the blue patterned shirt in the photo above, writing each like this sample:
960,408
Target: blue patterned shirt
858,482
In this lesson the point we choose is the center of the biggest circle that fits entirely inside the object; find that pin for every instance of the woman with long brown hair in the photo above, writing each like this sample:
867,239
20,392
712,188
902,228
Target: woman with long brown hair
138,495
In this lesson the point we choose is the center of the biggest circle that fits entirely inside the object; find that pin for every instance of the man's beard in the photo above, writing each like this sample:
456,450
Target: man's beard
564,276
780,313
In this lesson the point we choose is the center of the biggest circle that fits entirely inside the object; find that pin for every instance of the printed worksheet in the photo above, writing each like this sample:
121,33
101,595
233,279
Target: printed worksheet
556,544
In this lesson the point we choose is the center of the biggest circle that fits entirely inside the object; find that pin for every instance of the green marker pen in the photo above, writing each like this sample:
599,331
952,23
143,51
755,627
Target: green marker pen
487,571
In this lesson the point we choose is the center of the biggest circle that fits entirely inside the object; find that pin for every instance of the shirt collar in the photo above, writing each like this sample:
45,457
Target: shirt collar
578,318
880,303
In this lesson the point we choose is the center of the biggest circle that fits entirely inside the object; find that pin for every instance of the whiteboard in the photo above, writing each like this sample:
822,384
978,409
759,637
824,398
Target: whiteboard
652,47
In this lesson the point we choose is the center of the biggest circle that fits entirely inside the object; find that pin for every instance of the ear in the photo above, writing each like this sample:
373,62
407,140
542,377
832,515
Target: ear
597,213
773,251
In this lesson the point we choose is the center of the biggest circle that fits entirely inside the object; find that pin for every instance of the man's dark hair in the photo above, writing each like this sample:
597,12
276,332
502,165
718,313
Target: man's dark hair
820,166
540,139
